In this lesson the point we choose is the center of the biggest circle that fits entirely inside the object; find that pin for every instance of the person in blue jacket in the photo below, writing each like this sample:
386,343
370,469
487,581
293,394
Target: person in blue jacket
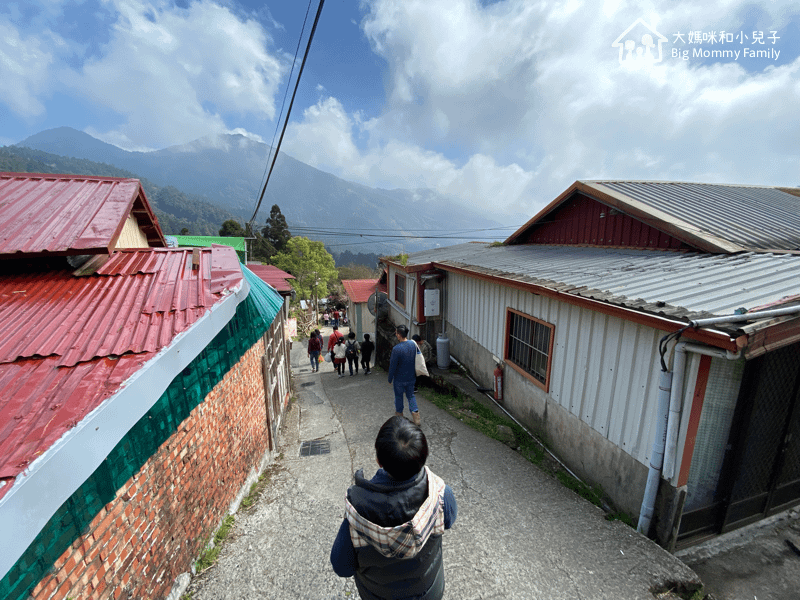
391,536
403,374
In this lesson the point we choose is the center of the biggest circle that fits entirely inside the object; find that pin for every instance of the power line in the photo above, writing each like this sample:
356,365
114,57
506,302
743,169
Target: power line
285,93
289,110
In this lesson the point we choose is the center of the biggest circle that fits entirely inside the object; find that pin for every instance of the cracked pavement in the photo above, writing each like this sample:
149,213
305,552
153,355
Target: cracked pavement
519,534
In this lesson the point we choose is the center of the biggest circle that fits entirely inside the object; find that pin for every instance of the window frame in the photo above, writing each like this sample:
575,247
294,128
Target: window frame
510,312
401,300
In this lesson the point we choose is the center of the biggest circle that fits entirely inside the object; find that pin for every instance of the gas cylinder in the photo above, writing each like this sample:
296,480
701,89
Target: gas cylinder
443,351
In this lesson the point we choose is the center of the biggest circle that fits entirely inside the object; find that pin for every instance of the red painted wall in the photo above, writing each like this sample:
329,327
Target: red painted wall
586,222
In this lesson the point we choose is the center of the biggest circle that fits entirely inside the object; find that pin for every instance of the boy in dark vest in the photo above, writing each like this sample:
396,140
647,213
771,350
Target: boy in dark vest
391,537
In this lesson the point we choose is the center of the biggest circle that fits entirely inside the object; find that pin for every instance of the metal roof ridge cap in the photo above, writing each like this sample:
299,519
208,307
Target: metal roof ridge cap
664,217
76,454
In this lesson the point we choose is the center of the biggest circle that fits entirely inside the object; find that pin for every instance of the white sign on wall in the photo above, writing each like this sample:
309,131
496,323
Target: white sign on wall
431,303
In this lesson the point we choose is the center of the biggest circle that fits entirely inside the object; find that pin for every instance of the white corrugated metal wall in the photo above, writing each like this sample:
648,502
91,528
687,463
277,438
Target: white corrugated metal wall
604,369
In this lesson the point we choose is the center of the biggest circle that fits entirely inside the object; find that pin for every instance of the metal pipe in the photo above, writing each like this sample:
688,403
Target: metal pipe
676,398
763,314
656,455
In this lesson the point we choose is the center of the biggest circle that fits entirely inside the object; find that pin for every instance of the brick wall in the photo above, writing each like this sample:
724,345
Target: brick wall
159,520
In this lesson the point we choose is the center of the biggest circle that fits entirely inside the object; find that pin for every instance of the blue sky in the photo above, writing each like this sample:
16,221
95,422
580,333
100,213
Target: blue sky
500,104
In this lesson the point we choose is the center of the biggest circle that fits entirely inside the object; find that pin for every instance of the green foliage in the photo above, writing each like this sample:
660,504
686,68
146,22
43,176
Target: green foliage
593,494
260,248
496,244
310,263
359,258
210,554
231,228
621,516
255,490
276,233
354,271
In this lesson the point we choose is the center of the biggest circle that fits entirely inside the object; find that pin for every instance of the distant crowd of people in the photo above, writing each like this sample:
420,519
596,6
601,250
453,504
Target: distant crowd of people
334,317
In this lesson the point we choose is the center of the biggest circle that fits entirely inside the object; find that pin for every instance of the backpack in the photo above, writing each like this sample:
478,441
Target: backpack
350,351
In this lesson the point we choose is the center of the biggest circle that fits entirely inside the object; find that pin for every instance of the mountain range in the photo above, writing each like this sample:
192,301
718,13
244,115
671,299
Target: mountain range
212,179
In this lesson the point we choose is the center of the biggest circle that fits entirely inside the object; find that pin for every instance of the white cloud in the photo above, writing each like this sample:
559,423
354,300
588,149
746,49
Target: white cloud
326,139
24,70
538,87
173,74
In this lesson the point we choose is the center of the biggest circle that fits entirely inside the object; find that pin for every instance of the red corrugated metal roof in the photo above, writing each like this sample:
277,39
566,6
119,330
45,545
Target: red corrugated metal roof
70,214
359,290
273,276
69,342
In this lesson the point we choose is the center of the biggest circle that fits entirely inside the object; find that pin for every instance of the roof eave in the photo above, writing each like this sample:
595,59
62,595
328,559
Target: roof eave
659,220
719,339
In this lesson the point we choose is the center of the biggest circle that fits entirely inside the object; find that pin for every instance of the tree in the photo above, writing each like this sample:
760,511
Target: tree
185,231
313,267
261,249
354,271
231,228
276,232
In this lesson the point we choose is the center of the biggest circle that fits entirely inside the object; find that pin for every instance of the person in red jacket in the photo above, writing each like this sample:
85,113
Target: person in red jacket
334,337
314,349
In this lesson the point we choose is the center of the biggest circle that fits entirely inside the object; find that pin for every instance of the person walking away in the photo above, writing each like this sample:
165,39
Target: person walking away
367,347
336,318
339,352
402,373
391,536
325,318
334,337
427,354
314,349
351,352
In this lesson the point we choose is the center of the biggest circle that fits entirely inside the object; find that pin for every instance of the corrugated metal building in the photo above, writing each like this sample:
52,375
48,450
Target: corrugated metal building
578,304
358,294
106,353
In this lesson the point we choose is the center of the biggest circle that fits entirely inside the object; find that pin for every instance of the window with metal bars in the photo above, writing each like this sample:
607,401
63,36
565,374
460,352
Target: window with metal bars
529,346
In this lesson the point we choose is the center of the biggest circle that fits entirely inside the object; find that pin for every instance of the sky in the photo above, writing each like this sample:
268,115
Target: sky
501,104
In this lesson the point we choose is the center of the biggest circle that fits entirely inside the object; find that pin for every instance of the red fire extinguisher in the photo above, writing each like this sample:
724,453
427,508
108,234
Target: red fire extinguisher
498,382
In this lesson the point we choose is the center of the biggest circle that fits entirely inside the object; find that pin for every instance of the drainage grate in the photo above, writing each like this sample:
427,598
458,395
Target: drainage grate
315,448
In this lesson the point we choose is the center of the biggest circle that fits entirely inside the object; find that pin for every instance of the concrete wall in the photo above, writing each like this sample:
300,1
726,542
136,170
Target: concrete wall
160,519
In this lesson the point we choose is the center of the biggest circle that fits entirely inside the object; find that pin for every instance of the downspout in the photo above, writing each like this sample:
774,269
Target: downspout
676,397
656,454
413,300
670,395
670,407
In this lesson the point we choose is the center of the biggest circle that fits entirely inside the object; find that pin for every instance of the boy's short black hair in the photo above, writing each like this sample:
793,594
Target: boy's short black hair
416,337
366,336
401,448
402,330
352,335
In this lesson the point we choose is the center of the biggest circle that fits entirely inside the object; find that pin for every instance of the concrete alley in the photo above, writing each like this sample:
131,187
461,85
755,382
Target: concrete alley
519,535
